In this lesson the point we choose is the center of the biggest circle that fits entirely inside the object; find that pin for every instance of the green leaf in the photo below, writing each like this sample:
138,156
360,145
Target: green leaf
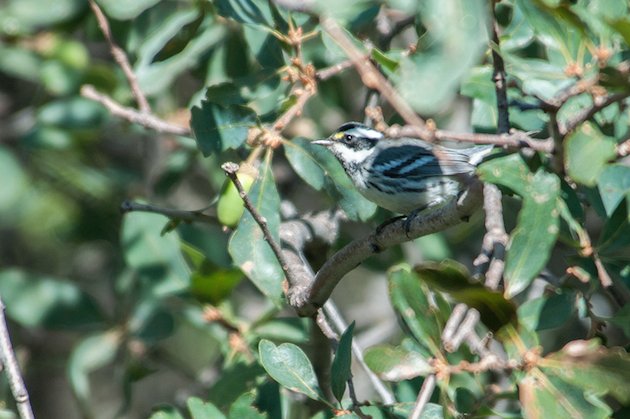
615,234
12,192
157,257
299,153
168,412
614,185
455,40
154,76
550,397
453,278
89,355
343,11
622,27
23,16
395,363
621,319
245,11
121,10
531,241
248,247
72,113
289,366
218,128
316,165
593,367
243,407
290,329
210,282
40,301
151,323
410,299
587,151
203,410
340,371
234,381
548,311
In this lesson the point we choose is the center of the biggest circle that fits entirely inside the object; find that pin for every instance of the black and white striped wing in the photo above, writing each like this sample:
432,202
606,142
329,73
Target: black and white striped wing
415,161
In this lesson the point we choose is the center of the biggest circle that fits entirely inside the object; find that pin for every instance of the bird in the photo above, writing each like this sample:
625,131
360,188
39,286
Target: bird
402,175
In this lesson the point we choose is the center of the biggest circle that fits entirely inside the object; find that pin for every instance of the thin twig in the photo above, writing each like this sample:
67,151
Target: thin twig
450,328
230,170
121,58
623,149
296,109
495,239
466,327
333,70
516,139
587,113
10,365
146,120
373,79
424,396
498,76
183,215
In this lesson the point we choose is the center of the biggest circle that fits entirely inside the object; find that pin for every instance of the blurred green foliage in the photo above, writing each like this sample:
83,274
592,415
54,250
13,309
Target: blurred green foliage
136,315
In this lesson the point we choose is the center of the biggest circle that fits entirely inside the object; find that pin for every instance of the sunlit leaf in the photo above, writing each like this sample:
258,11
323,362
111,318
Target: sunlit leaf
587,151
123,10
203,410
395,363
531,241
589,366
614,185
289,366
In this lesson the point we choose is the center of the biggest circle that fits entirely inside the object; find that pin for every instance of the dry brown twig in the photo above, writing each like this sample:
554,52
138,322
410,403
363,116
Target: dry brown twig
121,58
146,120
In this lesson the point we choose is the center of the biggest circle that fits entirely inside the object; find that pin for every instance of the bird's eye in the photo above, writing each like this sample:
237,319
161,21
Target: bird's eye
348,138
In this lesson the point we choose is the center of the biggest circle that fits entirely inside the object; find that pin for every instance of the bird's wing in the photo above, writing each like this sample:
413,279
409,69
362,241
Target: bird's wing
419,161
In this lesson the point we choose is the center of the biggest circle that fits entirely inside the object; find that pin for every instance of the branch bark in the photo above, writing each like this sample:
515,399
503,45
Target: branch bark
10,365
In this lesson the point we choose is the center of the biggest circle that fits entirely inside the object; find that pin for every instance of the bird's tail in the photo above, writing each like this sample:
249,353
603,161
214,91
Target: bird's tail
477,154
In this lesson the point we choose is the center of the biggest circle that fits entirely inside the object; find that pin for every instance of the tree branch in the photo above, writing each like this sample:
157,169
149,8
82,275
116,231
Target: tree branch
10,365
306,300
146,120
373,79
587,113
230,170
424,396
121,58
516,139
183,215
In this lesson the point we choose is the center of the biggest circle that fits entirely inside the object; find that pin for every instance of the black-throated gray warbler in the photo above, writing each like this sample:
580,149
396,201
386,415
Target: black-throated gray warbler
402,175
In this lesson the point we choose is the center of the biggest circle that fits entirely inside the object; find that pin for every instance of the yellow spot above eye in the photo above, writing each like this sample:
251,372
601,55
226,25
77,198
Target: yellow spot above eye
338,136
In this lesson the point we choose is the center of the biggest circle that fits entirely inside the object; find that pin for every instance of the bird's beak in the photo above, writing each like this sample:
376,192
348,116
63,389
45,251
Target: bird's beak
325,142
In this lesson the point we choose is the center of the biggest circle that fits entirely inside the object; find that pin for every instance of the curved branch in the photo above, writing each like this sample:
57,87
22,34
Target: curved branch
306,300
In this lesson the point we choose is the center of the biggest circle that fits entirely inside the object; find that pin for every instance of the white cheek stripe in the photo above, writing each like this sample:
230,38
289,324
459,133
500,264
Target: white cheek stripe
351,155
